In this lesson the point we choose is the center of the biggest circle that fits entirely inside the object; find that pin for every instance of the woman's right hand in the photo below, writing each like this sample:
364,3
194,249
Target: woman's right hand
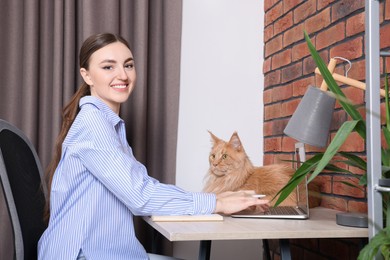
230,202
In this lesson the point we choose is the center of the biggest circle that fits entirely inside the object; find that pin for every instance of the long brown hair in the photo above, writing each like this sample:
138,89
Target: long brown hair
70,111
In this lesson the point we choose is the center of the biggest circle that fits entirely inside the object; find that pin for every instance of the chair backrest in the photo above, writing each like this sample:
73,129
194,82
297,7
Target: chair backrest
21,178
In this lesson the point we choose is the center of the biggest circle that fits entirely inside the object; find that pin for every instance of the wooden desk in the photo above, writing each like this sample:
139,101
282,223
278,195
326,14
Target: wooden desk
321,224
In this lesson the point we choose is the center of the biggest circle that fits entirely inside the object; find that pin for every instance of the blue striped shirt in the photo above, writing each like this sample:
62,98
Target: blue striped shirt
97,188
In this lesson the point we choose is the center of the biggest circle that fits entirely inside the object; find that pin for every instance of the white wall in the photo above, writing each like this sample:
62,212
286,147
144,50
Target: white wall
221,91
221,82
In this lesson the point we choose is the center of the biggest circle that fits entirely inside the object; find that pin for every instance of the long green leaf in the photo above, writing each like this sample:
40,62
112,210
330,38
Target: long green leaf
341,135
298,176
332,85
357,161
386,133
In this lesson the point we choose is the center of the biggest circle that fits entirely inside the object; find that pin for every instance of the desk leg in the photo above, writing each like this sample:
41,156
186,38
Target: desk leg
204,250
267,253
285,253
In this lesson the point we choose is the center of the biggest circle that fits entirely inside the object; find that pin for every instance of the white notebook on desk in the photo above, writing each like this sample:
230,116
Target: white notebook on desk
188,218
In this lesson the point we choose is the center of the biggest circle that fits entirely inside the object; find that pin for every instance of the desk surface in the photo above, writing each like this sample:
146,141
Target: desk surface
321,224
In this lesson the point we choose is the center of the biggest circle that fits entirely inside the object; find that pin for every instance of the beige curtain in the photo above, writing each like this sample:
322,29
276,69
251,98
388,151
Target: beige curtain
39,47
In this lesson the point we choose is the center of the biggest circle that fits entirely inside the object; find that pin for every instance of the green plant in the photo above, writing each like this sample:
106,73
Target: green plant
325,160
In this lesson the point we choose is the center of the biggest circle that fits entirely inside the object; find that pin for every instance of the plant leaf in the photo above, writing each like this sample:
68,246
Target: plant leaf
297,177
356,160
341,135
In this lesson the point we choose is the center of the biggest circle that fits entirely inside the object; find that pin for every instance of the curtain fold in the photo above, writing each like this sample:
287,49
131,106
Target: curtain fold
39,48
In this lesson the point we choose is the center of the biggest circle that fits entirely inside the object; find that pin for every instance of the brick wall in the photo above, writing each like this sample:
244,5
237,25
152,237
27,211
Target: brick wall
336,28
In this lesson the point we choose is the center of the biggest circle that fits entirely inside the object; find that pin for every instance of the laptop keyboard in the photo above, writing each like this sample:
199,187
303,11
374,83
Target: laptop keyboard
281,210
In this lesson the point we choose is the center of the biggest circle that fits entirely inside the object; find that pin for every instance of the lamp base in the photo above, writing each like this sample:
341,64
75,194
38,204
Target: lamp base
352,219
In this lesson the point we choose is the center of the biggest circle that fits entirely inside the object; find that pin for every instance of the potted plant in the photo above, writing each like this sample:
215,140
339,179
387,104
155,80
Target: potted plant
325,160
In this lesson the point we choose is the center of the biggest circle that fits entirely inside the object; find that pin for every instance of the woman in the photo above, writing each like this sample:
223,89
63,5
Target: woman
96,185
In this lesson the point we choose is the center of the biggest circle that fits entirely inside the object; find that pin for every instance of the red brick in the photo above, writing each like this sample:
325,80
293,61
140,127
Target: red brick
384,36
357,206
281,93
325,183
381,12
278,127
350,50
268,159
272,144
342,8
339,117
334,203
346,190
272,78
281,59
300,86
273,14
358,70
306,9
267,128
323,3
290,4
299,51
330,36
353,143
355,95
288,108
272,111
268,32
293,35
268,4
267,65
355,24
387,10
318,21
288,145
291,72
315,149
267,96
283,23
273,45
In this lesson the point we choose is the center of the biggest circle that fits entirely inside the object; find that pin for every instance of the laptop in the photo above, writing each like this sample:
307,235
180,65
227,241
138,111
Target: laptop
298,211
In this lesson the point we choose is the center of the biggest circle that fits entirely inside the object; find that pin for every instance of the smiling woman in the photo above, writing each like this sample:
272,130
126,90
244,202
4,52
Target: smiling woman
96,184
111,74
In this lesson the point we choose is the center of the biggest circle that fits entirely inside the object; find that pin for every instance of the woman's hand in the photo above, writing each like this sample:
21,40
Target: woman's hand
233,201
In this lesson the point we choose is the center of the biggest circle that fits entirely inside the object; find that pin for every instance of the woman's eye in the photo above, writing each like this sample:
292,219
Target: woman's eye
107,67
129,66
224,156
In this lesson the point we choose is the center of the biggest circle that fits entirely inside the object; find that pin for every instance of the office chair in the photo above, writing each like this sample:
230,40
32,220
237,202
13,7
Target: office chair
22,193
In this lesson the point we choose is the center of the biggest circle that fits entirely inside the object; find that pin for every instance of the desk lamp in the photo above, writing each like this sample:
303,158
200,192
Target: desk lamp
311,121
310,124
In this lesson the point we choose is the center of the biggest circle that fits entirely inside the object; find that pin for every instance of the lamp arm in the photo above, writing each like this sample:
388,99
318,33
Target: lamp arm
331,67
351,82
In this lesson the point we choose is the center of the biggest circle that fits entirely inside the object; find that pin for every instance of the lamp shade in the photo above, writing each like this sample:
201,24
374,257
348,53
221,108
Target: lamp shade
311,121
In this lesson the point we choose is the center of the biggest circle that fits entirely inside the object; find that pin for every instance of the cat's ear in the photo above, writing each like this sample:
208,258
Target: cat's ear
214,139
235,141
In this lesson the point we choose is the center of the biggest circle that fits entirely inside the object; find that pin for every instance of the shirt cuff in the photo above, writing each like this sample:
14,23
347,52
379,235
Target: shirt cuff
204,203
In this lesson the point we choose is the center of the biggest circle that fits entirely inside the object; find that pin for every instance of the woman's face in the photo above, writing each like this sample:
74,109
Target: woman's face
111,74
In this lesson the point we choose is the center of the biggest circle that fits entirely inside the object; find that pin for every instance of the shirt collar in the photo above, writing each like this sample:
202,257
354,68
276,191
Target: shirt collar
99,104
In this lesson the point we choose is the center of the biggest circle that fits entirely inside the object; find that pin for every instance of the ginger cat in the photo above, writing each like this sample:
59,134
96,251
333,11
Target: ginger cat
231,170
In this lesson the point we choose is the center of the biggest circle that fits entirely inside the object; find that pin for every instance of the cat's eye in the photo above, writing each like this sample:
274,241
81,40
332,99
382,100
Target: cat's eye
212,156
224,156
